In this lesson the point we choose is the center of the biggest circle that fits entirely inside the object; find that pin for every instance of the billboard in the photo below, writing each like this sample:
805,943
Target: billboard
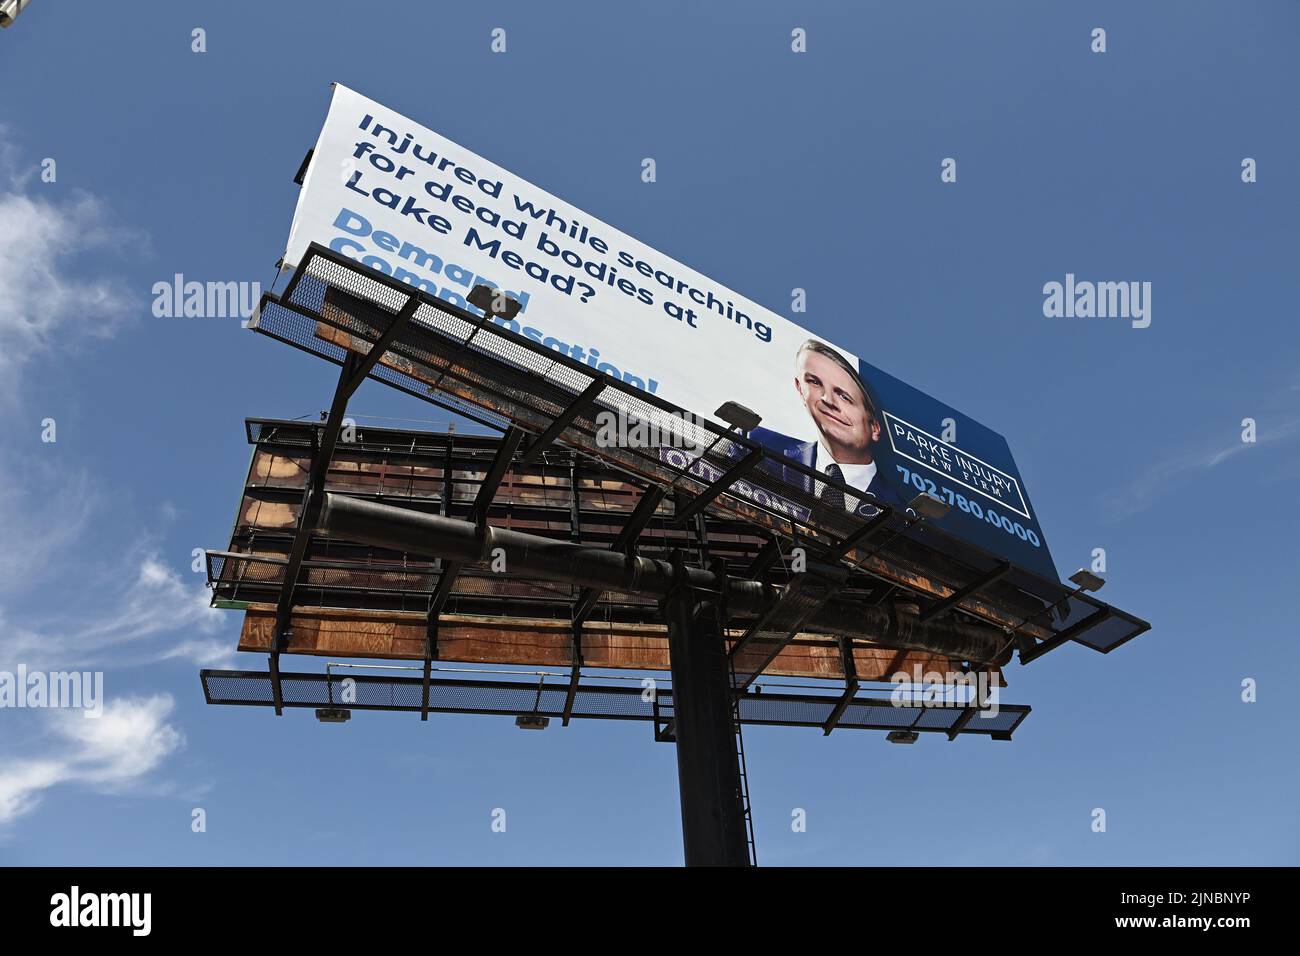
401,199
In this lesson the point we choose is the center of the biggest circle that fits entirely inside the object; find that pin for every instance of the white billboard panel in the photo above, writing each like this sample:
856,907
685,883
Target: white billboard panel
410,203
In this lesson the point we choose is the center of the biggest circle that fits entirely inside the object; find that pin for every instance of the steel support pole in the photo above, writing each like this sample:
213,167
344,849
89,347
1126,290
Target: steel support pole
708,767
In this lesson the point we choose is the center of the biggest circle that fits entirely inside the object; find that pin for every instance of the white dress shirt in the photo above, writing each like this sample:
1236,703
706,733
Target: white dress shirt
855,476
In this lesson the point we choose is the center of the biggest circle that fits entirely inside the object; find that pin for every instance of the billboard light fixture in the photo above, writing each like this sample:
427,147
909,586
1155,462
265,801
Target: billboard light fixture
9,10
532,722
333,715
738,416
493,302
902,736
1085,580
928,506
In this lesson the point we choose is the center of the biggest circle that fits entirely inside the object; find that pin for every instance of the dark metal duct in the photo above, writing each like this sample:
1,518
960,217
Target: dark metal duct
435,536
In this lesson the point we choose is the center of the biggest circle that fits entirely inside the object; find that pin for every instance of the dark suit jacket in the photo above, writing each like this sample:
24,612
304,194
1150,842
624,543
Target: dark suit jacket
805,452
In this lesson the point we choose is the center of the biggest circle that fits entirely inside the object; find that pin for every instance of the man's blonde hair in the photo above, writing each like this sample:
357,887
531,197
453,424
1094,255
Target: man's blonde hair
821,348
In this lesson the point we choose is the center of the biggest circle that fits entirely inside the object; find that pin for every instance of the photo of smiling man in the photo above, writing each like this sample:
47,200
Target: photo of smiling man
847,429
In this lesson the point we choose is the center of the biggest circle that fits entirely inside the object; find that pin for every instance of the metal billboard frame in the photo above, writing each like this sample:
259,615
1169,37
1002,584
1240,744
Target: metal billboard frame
463,359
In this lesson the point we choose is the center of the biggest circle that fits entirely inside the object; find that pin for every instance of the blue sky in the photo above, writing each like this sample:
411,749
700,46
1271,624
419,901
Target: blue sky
775,171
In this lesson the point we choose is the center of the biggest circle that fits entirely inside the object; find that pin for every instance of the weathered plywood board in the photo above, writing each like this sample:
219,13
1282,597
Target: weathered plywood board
543,643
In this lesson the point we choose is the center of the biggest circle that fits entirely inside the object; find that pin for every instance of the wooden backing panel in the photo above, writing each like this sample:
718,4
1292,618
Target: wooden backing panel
543,643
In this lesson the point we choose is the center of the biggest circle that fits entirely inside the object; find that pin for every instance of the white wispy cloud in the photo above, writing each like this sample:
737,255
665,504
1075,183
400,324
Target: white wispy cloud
133,611
45,300
138,612
1147,487
110,753
158,615
45,508
87,616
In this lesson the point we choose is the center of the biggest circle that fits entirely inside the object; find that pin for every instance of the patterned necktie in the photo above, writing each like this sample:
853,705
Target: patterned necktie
833,497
